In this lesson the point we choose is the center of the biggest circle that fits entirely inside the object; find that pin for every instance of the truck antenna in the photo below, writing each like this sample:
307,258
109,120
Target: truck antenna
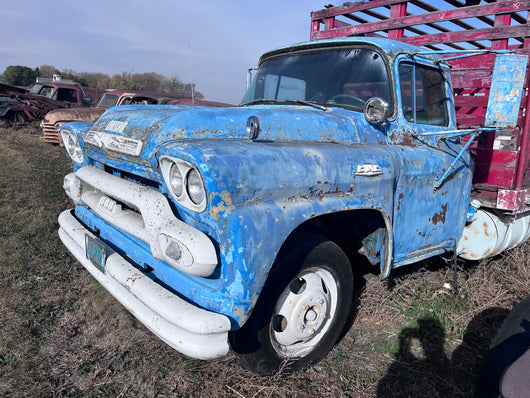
191,75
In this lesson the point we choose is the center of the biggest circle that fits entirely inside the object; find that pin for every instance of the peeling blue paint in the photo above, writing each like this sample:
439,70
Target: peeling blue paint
306,164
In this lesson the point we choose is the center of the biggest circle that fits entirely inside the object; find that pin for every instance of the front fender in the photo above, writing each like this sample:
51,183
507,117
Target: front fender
259,193
256,233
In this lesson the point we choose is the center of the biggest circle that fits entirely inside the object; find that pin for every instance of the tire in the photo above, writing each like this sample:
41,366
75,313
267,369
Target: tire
17,118
301,311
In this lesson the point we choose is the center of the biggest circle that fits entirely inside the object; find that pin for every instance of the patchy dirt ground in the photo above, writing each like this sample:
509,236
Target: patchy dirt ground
62,335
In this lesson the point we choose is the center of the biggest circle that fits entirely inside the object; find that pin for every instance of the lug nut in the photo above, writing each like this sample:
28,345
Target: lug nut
311,331
300,326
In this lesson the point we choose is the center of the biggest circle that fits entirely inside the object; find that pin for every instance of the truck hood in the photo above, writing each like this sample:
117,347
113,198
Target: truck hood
74,114
155,126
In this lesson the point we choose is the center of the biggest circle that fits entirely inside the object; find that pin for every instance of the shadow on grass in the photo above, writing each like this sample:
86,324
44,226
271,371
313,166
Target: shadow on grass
421,366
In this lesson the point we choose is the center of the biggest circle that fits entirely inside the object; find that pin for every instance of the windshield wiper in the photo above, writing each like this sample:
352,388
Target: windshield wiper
260,101
308,103
287,101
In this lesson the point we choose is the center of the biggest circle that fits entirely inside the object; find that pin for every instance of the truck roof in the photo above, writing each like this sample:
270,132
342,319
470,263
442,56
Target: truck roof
388,46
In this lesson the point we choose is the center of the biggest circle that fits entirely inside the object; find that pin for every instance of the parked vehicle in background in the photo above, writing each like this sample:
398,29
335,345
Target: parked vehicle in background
244,226
56,118
67,91
20,105
189,101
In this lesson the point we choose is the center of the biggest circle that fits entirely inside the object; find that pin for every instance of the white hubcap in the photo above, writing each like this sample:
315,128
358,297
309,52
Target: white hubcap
304,312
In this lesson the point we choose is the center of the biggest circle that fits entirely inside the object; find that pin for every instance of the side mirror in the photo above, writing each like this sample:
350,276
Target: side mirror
376,110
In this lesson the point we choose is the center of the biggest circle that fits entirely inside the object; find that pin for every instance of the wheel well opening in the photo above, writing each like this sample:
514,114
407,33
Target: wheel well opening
361,234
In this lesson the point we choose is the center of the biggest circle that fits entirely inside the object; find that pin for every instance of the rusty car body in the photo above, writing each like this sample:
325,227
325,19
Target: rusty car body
21,105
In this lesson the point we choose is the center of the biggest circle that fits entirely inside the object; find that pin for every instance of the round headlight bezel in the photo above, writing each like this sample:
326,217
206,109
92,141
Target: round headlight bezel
72,146
192,193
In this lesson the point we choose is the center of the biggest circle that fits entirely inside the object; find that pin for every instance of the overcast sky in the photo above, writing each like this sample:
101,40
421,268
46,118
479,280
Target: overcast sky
113,36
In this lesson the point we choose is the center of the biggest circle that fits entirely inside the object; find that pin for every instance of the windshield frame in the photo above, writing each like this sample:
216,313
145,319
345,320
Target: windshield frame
315,49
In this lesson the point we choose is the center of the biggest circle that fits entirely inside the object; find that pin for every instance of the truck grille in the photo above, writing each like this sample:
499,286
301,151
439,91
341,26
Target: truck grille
132,177
51,135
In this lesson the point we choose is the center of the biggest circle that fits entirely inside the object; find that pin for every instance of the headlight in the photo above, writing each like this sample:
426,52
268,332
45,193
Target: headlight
195,187
72,146
184,183
176,182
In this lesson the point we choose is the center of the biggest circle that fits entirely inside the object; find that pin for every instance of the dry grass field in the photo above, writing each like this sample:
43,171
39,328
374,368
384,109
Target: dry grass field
62,335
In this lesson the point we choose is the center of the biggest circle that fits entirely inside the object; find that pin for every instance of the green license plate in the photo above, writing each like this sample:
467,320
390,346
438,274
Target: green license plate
95,252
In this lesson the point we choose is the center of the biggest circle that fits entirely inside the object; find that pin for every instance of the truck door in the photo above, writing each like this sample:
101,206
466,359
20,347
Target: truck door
426,220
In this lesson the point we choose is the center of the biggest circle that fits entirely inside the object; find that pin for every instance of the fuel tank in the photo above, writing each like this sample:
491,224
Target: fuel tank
489,234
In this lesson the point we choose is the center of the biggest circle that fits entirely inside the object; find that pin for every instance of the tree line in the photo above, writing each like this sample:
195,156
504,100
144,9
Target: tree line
17,75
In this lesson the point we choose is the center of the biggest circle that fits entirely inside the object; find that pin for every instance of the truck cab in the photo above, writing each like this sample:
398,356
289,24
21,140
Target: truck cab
70,93
376,76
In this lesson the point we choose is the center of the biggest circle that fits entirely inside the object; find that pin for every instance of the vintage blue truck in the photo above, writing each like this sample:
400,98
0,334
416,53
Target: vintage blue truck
243,226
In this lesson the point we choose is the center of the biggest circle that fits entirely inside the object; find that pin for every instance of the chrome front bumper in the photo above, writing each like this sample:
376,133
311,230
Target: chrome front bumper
191,330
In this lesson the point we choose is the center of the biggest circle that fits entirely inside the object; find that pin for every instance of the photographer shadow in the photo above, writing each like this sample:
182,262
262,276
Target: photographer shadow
422,367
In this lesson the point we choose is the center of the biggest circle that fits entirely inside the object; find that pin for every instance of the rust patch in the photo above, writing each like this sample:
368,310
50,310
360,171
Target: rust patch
323,189
440,217
486,229
401,196
224,205
129,282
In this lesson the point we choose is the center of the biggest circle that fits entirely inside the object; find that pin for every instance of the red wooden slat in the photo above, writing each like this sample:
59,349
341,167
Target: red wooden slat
495,167
476,34
398,21
501,20
471,120
397,11
341,10
471,101
485,62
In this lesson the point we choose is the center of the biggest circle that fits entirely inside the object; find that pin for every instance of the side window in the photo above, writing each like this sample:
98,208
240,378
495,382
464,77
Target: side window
66,94
427,102
143,101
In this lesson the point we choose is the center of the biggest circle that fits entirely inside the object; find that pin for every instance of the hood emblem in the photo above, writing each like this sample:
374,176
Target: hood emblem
253,128
368,170
115,143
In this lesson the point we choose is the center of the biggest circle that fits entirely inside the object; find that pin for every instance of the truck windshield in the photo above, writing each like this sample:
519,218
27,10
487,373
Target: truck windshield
344,77
36,88
108,100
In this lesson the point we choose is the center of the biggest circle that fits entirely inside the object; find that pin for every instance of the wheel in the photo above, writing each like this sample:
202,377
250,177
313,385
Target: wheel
301,311
17,118
334,99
